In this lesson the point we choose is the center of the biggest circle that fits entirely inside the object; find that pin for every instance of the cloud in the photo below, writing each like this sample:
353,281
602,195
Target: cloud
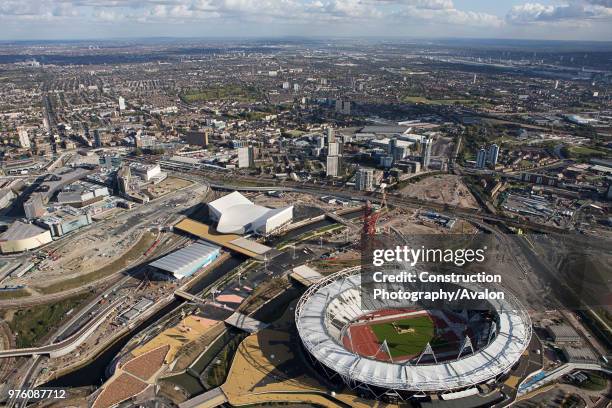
574,11
444,12
319,17
278,11
605,3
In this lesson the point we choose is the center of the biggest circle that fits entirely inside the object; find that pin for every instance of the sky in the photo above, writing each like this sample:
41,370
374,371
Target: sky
107,19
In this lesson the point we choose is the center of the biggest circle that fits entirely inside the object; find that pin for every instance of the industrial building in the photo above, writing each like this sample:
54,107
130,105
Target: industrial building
21,237
563,333
186,261
236,214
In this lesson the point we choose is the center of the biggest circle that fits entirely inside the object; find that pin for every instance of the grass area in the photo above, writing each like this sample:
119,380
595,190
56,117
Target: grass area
596,382
117,265
13,294
295,133
32,324
327,266
417,332
583,152
227,92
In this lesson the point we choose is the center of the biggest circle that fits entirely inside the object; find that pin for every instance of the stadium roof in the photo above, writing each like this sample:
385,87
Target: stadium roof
186,261
337,298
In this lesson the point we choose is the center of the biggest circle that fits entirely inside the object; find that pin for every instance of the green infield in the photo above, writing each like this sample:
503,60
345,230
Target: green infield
405,337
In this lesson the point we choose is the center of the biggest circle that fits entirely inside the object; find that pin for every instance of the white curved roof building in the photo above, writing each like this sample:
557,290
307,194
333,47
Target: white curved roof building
21,237
328,307
236,214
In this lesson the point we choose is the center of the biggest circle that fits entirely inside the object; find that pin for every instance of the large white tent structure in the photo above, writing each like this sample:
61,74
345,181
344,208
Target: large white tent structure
236,214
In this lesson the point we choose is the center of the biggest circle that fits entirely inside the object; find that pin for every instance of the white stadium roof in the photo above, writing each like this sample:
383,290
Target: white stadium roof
336,300
186,261
236,214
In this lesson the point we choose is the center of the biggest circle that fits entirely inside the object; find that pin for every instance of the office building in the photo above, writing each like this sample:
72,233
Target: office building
492,155
331,135
364,180
64,223
334,166
121,103
334,155
246,157
343,107
319,142
481,158
334,149
124,176
24,139
426,152
197,138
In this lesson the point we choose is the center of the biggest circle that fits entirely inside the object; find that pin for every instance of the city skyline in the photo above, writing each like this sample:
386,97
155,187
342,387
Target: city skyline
515,19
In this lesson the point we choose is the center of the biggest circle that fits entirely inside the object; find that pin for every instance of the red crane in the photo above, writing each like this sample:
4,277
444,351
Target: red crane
371,216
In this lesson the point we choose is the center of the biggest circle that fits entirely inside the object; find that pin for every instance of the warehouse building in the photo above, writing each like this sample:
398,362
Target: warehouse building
563,333
187,261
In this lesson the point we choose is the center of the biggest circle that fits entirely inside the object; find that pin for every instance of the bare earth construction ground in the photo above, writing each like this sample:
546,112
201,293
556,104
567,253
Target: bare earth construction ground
443,189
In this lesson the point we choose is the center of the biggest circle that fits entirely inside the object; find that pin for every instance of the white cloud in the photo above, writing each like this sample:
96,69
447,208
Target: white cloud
448,14
321,17
578,12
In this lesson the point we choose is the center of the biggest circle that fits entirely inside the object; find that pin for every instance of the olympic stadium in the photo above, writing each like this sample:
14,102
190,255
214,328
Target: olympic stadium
400,349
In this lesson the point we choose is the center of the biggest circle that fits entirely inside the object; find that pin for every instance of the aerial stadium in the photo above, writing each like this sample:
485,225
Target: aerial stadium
398,349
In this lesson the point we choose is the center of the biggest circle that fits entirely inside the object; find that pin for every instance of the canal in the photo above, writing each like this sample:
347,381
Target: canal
94,373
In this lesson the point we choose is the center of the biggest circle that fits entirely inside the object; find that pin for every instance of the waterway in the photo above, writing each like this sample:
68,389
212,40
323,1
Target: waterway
94,373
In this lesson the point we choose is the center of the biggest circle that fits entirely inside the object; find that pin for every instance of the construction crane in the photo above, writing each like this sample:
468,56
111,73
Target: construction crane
371,216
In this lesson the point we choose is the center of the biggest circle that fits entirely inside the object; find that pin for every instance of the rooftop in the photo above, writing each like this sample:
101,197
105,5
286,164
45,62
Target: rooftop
185,261
21,230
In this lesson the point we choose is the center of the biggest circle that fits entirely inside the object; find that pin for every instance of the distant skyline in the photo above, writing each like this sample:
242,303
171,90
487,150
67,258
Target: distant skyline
104,19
